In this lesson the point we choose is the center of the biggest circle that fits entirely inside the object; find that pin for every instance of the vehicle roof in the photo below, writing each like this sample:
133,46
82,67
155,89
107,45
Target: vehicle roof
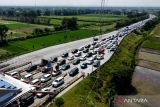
59,78
28,75
46,75
35,80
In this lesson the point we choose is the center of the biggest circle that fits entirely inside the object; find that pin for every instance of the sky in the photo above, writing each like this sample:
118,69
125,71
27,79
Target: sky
85,3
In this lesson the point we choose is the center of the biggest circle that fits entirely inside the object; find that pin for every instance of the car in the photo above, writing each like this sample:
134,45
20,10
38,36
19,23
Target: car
100,57
74,51
64,67
76,61
54,59
88,46
59,81
57,72
94,57
96,63
92,48
113,49
97,45
82,58
85,50
14,73
94,43
71,58
83,65
31,68
40,95
73,72
46,78
78,54
81,49
46,69
94,52
36,82
27,78
64,55
109,46
89,54
95,39
101,51
61,62
103,39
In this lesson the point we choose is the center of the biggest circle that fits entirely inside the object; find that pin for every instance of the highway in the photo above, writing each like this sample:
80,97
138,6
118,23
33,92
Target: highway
58,50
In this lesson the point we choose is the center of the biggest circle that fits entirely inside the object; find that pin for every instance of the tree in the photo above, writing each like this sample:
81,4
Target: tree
69,23
38,31
3,31
59,101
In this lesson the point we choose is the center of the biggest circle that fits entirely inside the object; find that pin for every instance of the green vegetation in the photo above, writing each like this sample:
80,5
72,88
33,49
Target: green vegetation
19,26
152,43
23,46
59,101
91,17
115,77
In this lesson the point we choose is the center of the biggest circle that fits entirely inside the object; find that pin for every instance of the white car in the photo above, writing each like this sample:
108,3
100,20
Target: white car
58,81
40,95
71,58
82,58
46,78
55,73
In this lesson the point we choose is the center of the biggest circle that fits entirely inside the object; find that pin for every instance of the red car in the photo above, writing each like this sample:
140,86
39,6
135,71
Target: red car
101,51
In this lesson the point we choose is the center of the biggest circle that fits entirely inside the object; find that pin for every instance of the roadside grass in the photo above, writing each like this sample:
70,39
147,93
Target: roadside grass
122,61
152,43
156,31
19,26
28,45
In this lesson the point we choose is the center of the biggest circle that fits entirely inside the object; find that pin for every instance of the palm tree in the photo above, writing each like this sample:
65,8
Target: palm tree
3,31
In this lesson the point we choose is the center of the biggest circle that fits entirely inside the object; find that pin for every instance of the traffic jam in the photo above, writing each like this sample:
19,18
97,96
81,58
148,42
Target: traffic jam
56,72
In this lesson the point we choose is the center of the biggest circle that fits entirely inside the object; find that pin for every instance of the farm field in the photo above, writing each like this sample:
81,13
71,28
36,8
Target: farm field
152,43
28,45
91,17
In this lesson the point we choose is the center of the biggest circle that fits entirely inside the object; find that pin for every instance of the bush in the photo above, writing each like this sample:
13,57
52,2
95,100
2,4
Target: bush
59,101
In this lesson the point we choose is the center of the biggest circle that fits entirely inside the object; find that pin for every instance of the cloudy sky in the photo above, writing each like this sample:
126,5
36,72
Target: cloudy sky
151,3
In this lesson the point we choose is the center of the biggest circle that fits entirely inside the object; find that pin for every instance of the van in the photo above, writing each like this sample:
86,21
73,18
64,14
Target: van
58,81
46,78
36,82
27,77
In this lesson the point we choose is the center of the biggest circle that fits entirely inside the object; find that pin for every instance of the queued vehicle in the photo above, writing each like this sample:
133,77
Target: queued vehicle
89,54
27,78
73,72
78,54
64,55
95,39
85,50
46,78
83,65
88,46
74,51
46,69
100,57
31,68
81,49
71,58
53,60
64,67
59,81
40,95
82,58
76,61
96,63
90,61
61,62
57,72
